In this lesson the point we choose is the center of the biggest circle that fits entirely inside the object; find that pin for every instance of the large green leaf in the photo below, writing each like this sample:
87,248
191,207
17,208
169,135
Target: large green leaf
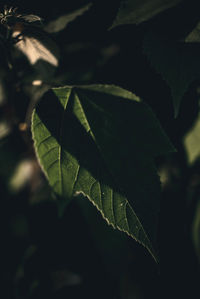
178,63
101,141
137,11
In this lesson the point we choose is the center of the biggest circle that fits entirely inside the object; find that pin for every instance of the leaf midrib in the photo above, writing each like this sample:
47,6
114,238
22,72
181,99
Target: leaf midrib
110,173
60,142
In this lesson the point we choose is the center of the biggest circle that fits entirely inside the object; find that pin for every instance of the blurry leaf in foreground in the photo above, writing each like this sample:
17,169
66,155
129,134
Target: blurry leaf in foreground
178,63
101,141
25,38
5,129
64,277
194,35
40,54
21,175
138,11
61,22
192,142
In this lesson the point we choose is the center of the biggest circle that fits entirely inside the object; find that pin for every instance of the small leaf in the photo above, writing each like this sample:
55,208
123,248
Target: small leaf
192,142
101,141
138,11
178,63
39,50
61,22
194,35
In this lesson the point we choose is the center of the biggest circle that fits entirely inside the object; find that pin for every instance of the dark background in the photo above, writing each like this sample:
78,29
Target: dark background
42,252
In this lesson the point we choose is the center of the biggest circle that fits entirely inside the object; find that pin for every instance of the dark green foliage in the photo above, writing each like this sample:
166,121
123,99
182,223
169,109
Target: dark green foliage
136,11
97,176
177,62
98,146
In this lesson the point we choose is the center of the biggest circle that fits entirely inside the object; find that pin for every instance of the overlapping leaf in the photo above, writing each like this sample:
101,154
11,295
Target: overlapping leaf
138,11
101,141
178,63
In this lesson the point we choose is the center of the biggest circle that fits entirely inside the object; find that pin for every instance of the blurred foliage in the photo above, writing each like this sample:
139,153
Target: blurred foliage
136,11
78,255
178,63
192,142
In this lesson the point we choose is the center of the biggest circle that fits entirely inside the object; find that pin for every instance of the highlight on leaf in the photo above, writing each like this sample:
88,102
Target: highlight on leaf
26,39
94,140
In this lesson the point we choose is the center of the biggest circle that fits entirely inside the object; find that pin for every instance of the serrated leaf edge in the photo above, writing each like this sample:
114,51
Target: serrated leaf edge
150,250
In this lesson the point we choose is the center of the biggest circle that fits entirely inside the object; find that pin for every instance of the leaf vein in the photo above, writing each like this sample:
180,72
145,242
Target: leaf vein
51,149
52,164
60,145
43,140
76,178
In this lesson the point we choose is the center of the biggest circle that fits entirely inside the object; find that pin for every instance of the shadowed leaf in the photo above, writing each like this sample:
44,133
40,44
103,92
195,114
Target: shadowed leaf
138,11
178,63
100,141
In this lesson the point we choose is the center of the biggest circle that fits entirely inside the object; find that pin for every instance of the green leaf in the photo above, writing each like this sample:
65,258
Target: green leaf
101,141
192,142
178,63
194,35
61,22
138,11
